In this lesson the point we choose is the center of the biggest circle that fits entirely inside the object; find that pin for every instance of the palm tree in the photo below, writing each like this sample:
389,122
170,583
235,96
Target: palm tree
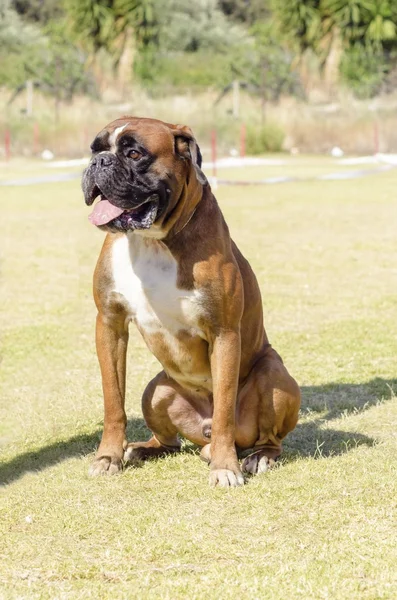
117,26
329,27
369,22
107,24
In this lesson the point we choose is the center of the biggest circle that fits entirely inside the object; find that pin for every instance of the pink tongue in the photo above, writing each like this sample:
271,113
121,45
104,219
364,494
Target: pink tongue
104,212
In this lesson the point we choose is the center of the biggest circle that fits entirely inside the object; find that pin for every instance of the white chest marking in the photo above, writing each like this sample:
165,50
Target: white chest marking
145,273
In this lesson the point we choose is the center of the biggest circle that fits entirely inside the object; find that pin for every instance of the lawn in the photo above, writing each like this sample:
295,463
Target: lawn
322,525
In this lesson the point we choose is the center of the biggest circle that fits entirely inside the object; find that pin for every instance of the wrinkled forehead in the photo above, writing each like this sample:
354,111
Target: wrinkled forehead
154,136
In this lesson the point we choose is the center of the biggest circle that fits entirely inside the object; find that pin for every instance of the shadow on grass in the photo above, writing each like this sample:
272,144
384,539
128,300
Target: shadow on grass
330,401
37,460
47,456
341,399
333,401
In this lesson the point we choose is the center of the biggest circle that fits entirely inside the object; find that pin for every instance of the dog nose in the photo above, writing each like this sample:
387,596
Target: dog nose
104,159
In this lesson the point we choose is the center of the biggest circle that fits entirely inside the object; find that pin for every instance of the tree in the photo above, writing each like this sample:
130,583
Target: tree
369,22
195,46
368,29
243,11
38,11
106,24
45,56
308,23
272,72
299,23
336,30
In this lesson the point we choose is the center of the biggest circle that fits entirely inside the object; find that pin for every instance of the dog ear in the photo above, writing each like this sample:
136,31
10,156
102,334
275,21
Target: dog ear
187,147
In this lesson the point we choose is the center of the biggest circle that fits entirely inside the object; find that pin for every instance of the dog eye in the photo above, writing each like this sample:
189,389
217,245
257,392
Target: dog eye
135,155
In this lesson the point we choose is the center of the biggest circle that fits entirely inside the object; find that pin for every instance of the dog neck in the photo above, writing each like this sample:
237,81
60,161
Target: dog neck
183,211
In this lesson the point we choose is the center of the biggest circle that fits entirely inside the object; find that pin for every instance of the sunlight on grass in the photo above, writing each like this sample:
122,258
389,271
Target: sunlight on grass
321,525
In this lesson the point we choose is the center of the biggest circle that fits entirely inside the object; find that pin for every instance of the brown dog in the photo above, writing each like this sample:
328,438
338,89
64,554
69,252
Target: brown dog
169,265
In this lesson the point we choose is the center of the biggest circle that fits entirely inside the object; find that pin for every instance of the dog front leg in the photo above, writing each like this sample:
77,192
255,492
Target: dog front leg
225,366
111,343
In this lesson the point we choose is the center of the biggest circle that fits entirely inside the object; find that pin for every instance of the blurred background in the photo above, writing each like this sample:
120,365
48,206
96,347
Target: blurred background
265,75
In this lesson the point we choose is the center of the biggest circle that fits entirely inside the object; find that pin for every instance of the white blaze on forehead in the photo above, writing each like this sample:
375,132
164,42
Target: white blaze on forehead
113,137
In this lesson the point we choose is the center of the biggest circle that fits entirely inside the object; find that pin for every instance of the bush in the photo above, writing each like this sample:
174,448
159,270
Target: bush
175,72
266,138
364,70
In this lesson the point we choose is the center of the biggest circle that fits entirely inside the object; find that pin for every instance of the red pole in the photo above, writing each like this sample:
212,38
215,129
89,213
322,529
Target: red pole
7,144
213,152
36,135
243,133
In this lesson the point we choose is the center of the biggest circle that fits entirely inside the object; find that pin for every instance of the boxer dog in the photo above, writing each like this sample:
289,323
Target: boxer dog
168,264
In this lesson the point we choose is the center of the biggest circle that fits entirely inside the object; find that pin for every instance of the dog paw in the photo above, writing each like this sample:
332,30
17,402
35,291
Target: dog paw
133,455
137,452
257,463
105,465
226,478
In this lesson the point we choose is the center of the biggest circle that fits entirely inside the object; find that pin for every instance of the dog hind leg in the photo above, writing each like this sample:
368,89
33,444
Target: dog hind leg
269,404
170,410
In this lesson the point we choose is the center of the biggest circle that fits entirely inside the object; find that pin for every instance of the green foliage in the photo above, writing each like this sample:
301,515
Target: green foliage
167,73
269,137
196,46
197,26
38,11
366,28
94,23
298,22
365,21
245,12
62,68
44,55
17,39
179,44
105,24
363,70
271,69
369,30
308,23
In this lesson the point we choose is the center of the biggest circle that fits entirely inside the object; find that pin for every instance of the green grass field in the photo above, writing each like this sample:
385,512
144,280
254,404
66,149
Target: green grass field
323,525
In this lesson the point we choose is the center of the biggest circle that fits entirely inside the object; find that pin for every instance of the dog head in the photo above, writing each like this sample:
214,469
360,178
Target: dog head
140,169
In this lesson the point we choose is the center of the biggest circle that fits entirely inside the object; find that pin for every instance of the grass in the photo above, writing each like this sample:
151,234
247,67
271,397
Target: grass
299,167
322,525
20,168
278,165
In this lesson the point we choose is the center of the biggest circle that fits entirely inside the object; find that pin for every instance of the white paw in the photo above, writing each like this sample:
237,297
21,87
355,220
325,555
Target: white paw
257,463
226,478
105,465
